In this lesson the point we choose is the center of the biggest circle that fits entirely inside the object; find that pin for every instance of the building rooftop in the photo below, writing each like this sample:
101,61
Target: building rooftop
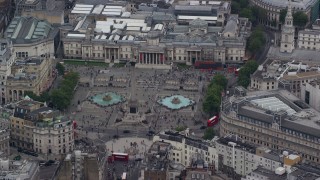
269,174
300,4
238,142
303,122
5,51
157,156
305,172
28,29
20,170
275,69
20,70
191,141
27,104
315,83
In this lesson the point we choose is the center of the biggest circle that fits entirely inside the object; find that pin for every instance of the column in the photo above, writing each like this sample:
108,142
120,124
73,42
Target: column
146,58
157,60
109,56
196,55
172,54
153,58
114,53
149,58
118,53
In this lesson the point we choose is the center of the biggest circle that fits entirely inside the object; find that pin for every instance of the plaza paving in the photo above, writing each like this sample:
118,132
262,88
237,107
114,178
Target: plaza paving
147,86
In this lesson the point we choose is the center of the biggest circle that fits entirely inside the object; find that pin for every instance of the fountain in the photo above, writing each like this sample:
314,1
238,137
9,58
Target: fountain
175,102
107,99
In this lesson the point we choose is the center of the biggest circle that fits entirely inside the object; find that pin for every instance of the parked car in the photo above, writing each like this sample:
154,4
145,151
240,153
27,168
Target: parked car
126,131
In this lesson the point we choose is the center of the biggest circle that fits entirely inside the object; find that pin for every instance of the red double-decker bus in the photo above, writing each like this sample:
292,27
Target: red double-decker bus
236,72
120,156
213,121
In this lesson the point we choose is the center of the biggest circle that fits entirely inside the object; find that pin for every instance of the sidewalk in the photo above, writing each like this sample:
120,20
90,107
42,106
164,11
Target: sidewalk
133,146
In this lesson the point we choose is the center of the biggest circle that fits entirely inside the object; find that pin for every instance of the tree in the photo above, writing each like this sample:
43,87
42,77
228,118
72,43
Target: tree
247,13
255,45
181,128
60,99
219,80
211,104
44,97
209,134
259,13
60,68
283,14
235,7
300,19
244,74
243,3
256,40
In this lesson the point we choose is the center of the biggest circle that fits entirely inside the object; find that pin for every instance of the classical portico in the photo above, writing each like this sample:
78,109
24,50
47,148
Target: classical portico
194,54
112,54
152,57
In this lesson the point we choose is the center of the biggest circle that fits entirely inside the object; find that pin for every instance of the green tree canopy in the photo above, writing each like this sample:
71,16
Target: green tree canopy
62,96
256,40
60,68
211,104
258,13
60,99
300,19
44,97
244,74
247,13
219,80
209,134
235,7
255,45
283,13
244,3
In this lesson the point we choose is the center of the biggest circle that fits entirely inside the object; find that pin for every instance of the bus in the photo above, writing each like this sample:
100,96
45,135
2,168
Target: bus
120,156
213,121
236,72
124,176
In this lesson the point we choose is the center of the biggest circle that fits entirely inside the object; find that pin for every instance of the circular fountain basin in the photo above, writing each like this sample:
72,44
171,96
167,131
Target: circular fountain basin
112,99
172,103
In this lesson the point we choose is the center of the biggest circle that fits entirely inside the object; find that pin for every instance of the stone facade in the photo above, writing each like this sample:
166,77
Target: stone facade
309,39
32,74
275,130
196,42
37,128
273,8
287,33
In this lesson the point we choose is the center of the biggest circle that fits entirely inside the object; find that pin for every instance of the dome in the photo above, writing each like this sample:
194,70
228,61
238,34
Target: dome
198,23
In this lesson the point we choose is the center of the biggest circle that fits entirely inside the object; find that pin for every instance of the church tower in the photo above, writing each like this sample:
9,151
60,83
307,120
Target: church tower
287,33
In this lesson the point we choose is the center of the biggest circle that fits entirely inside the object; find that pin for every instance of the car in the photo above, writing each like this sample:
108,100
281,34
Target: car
151,132
138,159
49,163
115,136
17,158
126,131
203,127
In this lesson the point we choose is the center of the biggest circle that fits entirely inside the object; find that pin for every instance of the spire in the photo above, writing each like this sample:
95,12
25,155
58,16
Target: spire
289,13
289,18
